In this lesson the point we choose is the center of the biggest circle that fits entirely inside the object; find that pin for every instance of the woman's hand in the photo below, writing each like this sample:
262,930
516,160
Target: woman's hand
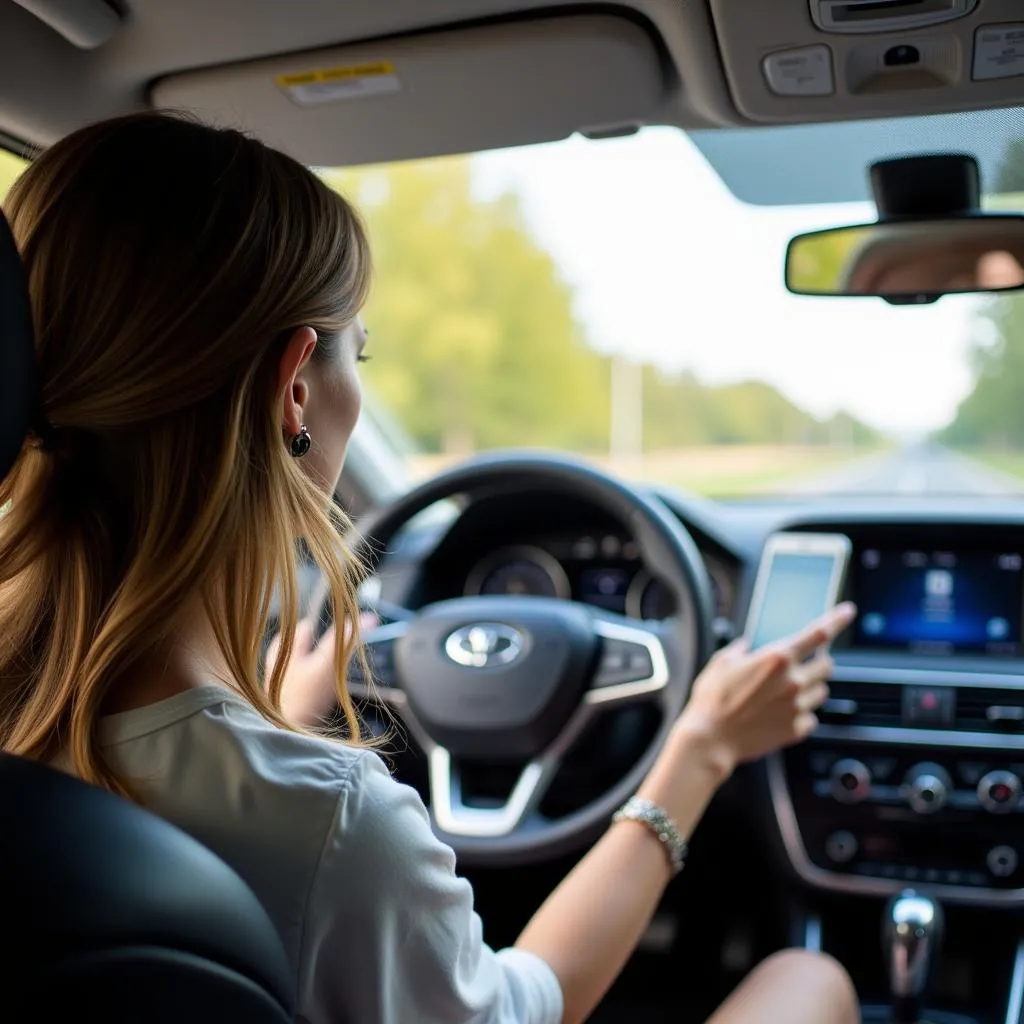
310,690
743,705
746,704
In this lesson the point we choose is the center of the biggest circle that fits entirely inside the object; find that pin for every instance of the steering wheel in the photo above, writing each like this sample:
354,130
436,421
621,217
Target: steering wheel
517,679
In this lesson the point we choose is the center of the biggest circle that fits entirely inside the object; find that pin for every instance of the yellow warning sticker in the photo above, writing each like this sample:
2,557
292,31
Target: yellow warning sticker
328,85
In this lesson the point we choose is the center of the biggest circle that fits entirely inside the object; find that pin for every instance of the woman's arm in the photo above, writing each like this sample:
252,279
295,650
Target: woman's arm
742,706
589,926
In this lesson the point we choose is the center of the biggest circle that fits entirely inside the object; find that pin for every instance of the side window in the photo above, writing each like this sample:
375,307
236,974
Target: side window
11,167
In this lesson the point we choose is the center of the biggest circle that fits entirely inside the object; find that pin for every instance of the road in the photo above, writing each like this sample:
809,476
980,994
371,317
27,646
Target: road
919,469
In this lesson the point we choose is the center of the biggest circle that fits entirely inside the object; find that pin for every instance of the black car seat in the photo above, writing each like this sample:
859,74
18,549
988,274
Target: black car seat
110,913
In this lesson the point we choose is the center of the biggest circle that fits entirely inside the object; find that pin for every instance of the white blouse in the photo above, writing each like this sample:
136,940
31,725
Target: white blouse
377,926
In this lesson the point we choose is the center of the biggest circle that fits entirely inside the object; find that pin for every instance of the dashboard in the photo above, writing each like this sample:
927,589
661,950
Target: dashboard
599,569
916,772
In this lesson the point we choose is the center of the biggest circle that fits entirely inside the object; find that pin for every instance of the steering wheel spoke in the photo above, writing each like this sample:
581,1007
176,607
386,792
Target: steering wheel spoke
457,818
379,649
632,664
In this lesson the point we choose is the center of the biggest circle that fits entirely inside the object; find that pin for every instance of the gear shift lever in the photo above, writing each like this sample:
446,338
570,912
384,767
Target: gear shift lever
911,937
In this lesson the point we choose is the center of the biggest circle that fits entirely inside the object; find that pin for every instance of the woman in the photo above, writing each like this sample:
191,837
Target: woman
196,299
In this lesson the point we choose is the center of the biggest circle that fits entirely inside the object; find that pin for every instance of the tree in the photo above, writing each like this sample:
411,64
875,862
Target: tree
473,330
680,411
993,412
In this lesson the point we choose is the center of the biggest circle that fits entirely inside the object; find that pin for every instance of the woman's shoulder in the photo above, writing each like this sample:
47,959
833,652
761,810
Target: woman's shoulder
206,758
214,729
271,802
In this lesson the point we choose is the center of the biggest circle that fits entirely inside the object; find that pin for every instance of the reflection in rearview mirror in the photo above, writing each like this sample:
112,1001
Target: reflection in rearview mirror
910,261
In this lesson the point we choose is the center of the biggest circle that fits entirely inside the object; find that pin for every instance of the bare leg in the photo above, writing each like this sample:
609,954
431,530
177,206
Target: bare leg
792,987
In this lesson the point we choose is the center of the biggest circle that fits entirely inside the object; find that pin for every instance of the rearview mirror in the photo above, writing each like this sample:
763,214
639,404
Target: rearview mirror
910,261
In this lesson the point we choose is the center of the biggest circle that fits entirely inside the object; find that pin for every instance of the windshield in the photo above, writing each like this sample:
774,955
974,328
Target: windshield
615,299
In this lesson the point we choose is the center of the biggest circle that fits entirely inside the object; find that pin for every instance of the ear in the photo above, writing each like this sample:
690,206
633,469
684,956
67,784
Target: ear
291,385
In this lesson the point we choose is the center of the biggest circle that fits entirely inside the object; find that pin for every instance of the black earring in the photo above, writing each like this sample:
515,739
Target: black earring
301,442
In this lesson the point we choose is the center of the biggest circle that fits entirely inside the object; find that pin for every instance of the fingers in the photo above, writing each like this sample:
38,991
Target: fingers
817,670
810,698
302,643
325,646
822,631
304,632
805,724
273,649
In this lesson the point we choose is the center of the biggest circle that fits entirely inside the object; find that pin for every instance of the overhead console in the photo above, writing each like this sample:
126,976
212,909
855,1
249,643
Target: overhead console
806,60
916,774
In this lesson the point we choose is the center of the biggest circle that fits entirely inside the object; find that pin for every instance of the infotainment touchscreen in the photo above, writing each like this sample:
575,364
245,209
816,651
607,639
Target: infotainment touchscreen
940,602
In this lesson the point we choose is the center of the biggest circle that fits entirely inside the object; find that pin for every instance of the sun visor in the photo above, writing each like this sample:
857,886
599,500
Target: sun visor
451,91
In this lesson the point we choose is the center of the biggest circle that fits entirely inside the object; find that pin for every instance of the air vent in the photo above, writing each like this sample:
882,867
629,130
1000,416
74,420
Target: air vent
860,16
989,710
862,704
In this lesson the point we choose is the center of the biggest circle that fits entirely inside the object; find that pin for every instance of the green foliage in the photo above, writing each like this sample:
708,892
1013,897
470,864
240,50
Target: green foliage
10,167
475,343
819,264
474,339
1010,176
992,415
680,411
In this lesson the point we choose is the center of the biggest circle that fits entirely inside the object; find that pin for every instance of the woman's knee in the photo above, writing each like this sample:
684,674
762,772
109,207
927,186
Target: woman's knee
815,976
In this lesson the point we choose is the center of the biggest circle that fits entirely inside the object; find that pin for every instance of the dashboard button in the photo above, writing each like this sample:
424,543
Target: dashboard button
1002,861
928,705
380,657
999,792
841,847
850,781
622,662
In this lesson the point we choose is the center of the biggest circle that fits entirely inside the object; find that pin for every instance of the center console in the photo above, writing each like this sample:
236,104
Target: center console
916,773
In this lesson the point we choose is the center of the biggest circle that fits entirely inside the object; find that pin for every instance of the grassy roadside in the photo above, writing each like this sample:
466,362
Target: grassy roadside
1009,462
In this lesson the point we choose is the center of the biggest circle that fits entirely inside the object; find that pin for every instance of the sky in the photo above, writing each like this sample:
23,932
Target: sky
669,267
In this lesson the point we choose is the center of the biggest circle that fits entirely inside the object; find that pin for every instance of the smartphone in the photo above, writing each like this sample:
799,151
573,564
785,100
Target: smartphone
800,577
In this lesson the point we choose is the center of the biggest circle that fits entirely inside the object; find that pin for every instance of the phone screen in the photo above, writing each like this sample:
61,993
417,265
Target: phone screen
798,590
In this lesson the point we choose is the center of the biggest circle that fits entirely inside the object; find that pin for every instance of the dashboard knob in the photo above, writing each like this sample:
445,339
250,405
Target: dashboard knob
999,792
1002,861
850,781
927,788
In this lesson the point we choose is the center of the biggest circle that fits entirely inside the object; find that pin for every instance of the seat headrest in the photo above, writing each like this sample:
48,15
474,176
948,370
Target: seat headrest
18,389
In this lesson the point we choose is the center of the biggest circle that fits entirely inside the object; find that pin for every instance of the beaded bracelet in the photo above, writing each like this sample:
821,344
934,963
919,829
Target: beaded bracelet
659,824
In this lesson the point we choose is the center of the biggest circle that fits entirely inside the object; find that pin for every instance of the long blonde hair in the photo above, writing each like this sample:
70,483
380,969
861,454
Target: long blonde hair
168,262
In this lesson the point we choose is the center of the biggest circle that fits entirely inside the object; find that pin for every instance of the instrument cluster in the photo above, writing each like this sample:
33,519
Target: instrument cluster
604,570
